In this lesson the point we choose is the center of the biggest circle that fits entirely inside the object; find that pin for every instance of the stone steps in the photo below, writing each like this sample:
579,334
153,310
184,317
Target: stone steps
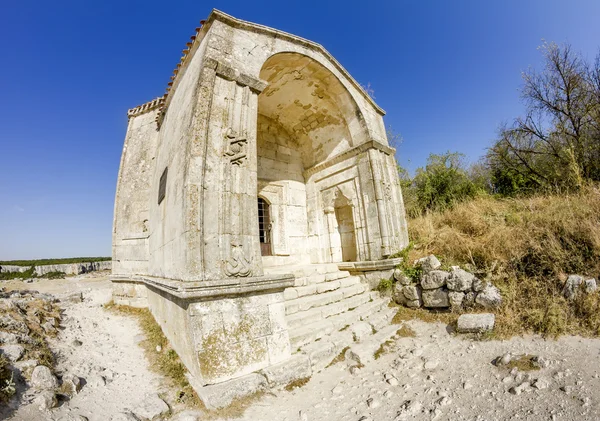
320,287
359,342
319,300
310,331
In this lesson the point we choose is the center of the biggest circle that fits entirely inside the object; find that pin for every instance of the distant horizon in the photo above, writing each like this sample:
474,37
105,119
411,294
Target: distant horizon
447,75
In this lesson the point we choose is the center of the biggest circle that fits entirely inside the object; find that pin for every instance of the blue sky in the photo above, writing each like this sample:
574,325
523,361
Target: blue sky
446,72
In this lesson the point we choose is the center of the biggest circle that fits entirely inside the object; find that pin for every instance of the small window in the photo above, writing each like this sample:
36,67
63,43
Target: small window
162,186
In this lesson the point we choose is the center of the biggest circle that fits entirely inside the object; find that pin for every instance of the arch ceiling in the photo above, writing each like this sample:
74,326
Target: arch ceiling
312,105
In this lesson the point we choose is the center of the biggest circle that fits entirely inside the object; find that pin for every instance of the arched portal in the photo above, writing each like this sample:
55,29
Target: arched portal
305,117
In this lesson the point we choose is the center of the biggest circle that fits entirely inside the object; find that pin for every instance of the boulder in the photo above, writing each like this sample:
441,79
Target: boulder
42,378
401,277
411,292
575,283
476,323
12,352
489,298
428,263
436,298
434,279
9,323
456,299
460,280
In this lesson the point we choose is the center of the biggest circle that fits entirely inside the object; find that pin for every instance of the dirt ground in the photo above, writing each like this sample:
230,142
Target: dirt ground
434,375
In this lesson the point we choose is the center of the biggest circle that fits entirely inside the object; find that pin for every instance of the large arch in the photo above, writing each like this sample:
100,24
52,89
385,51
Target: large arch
305,117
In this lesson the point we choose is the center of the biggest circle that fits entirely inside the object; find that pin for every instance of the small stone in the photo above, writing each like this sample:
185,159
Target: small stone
373,403
388,394
158,348
467,386
489,298
456,298
152,407
76,342
541,383
478,285
392,381
42,378
444,401
428,263
460,280
124,416
46,400
507,380
355,369
574,285
431,364
517,390
12,352
434,279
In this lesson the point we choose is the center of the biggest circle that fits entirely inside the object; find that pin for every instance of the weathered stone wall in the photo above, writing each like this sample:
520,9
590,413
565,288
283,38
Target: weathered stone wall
131,227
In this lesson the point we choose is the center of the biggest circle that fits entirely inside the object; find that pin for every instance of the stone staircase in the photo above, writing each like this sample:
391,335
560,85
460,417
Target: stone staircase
329,310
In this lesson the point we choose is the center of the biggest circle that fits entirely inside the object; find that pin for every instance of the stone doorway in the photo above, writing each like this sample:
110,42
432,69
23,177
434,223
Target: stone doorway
345,224
264,227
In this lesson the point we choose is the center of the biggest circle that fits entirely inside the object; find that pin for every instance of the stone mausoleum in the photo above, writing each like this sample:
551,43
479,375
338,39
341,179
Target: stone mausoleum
257,203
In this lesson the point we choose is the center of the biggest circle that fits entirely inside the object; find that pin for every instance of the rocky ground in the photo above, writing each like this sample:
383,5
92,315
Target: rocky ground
433,375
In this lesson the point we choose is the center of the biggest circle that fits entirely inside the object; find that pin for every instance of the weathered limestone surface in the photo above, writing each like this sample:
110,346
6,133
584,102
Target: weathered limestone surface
252,113
69,269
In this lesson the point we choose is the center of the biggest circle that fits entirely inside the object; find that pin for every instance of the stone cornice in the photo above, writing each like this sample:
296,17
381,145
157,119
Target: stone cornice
371,265
211,289
147,107
363,147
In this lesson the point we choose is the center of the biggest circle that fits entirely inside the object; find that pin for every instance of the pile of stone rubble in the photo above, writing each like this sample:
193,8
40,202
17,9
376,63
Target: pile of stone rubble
456,289
26,319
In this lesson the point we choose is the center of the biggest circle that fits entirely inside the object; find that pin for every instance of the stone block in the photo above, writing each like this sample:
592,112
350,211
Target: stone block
221,395
436,298
434,279
475,323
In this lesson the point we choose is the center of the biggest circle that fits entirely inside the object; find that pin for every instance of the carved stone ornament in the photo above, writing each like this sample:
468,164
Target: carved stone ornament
238,265
236,148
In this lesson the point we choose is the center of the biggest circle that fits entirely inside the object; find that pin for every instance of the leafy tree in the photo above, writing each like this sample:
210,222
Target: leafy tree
557,143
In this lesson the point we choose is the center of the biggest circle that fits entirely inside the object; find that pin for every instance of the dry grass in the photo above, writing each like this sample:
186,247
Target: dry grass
430,316
339,358
296,384
523,363
405,332
526,247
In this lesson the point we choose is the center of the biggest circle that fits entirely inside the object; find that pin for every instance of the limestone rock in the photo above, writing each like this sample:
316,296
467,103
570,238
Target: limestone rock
489,298
46,400
478,285
42,378
456,298
460,280
574,285
434,279
474,323
9,323
398,294
401,277
220,395
411,292
12,352
436,298
428,263
413,303
152,407
469,299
